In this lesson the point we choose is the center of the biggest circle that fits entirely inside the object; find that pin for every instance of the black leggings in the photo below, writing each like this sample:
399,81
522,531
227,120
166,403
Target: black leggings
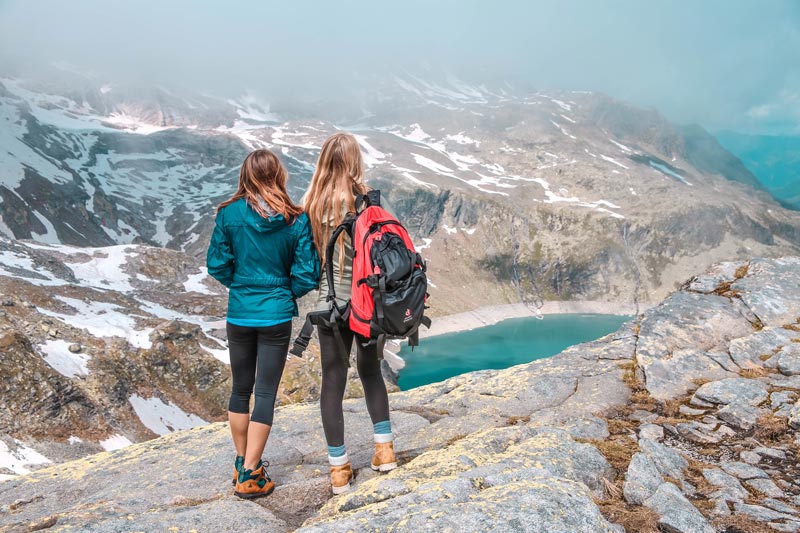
258,356
334,380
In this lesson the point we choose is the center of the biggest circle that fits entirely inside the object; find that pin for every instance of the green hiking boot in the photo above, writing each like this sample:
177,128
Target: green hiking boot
254,483
238,465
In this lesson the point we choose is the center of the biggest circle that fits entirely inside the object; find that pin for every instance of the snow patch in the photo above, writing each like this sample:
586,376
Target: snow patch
162,418
563,105
612,161
621,146
104,270
460,138
563,130
115,442
101,319
133,124
68,364
15,264
433,165
50,235
20,457
221,355
426,243
372,156
194,283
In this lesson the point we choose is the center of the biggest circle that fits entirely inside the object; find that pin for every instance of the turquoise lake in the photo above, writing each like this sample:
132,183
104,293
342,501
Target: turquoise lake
508,343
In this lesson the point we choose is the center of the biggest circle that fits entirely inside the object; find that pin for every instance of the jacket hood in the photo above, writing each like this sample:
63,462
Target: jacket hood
261,224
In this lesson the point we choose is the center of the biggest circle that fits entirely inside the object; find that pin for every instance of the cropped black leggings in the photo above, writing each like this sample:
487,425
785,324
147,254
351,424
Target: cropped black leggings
258,356
334,380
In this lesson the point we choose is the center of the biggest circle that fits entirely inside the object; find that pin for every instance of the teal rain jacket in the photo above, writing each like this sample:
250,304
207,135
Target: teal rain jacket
266,263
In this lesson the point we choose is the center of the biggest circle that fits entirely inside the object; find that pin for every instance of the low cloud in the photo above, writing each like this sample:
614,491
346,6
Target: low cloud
721,64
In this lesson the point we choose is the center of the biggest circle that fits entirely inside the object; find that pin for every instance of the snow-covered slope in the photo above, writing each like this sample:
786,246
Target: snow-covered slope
598,199
101,347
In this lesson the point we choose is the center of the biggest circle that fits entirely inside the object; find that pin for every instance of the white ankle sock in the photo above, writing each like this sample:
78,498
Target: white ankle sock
381,438
338,461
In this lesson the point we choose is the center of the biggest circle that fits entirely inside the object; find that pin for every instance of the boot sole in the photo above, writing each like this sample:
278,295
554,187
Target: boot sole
388,467
253,495
341,490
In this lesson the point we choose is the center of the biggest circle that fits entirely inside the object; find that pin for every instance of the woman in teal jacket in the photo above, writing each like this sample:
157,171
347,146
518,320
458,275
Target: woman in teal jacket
262,249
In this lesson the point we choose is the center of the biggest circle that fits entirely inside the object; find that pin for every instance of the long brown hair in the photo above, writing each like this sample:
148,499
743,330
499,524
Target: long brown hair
332,193
263,177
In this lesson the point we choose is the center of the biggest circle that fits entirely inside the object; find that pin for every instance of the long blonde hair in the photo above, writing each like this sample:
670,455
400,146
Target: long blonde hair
262,183
332,193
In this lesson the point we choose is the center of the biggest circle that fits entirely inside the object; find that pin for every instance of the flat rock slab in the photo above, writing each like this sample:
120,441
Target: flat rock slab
771,290
744,471
514,478
714,277
757,349
676,337
732,390
766,487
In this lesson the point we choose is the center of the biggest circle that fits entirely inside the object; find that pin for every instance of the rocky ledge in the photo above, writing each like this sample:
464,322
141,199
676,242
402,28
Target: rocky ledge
682,421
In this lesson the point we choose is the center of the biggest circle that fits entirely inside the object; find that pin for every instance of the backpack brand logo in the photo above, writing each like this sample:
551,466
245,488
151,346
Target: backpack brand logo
408,317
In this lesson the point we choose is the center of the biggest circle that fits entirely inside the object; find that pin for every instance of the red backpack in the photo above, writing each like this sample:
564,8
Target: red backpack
389,291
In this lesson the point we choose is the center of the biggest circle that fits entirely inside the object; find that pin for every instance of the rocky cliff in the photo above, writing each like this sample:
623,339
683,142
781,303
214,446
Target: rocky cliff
682,420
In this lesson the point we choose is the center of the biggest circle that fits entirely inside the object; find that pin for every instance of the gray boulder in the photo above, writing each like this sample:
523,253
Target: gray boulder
780,398
740,415
667,461
770,453
676,513
788,360
729,487
766,487
794,416
541,504
651,431
641,480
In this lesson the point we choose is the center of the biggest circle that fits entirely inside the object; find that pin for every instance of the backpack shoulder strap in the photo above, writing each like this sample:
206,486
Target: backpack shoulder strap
346,225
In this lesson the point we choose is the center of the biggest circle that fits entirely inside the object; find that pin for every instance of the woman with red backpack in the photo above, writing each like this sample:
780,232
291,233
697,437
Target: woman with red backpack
336,184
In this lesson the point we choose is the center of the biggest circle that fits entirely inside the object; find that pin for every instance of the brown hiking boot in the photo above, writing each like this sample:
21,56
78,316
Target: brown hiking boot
254,483
341,475
384,459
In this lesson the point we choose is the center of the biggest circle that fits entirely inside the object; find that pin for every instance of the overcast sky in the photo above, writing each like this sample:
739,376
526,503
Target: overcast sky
725,64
